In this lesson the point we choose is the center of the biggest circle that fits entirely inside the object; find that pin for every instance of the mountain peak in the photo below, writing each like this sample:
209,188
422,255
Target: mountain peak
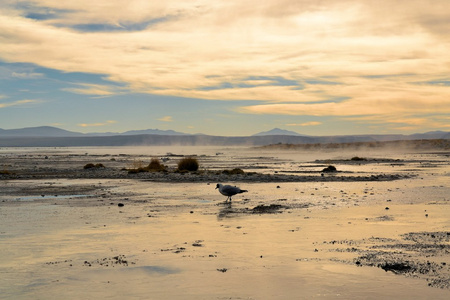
41,131
277,131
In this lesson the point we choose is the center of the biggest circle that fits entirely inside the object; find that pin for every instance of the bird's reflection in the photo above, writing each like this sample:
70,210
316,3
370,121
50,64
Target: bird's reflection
226,210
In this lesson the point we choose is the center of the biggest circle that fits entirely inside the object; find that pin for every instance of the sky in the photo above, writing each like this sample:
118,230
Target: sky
231,68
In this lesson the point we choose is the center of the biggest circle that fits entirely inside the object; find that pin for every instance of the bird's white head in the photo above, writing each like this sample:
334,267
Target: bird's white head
218,186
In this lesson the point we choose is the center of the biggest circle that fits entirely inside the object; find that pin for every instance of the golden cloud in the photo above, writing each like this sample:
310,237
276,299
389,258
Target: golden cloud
312,123
166,119
93,89
335,50
19,102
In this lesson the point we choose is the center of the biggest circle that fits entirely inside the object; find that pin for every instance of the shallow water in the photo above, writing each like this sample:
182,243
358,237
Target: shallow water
182,241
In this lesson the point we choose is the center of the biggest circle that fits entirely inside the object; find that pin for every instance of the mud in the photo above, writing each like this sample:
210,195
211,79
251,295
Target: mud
67,231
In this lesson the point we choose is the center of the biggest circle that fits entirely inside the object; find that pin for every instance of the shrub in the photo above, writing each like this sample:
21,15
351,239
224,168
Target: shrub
188,164
235,171
155,165
133,171
138,170
356,158
92,166
136,164
330,169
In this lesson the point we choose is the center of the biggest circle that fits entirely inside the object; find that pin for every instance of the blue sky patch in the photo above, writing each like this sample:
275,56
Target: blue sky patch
40,13
322,82
439,82
255,81
125,26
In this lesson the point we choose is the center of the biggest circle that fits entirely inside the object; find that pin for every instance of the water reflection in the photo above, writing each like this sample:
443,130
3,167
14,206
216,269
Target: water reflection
156,270
228,211
225,211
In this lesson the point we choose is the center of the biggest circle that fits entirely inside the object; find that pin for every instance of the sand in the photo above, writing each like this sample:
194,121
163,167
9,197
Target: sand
377,229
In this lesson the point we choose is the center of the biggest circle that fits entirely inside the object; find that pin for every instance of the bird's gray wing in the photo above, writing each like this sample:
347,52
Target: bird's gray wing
230,190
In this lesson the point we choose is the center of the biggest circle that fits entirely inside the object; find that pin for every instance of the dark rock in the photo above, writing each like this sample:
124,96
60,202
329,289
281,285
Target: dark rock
396,267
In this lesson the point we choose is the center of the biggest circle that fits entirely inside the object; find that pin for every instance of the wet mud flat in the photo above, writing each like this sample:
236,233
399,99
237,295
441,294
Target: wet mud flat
144,238
54,164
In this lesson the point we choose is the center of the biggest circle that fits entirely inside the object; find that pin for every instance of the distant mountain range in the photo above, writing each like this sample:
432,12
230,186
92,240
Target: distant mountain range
48,131
46,136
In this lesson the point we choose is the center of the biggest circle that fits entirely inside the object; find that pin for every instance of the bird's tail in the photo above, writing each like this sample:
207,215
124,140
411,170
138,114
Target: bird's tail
243,191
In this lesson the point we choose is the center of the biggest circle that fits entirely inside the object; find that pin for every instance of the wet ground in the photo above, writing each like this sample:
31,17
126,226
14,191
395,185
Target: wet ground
173,236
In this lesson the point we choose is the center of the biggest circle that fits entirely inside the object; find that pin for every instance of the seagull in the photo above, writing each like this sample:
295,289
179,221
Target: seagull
229,191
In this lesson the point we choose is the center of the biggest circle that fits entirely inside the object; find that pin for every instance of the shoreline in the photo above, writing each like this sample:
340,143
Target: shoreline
84,232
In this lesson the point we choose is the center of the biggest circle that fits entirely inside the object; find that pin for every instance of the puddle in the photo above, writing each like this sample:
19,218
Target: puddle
47,197
155,270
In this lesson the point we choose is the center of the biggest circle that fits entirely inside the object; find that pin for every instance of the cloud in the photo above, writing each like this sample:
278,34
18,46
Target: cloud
383,96
97,124
93,89
312,123
353,107
404,122
291,57
18,103
166,119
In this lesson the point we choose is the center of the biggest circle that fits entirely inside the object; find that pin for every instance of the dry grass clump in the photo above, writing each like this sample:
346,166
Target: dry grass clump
330,169
235,171
92,166
188,164
154,166
357,158
135,171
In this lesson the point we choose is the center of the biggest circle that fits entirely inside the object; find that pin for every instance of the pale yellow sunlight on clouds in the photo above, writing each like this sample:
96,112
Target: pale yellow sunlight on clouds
312,123
19,102
166,119
93,89
316,58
